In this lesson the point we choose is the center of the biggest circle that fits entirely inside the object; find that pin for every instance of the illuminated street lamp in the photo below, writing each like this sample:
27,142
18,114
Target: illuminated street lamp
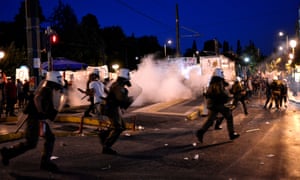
169,42
291,56
115,67
247,59
287,39
293,44
2,54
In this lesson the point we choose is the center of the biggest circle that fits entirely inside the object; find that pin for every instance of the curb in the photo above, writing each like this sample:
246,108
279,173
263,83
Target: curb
11,137
64,119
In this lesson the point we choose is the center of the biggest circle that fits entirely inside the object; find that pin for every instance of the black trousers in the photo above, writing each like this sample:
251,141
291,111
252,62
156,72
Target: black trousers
117,126
212,115
32,134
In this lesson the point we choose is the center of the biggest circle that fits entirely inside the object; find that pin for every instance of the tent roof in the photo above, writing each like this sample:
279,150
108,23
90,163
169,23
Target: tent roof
62,64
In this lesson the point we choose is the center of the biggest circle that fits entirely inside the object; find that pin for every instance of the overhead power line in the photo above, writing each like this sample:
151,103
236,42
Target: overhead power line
141,13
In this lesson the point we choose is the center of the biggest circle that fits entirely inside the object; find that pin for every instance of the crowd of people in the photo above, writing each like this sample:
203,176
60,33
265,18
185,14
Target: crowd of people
13,94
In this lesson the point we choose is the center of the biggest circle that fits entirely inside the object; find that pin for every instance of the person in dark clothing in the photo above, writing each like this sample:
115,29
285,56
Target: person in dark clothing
20,94
239,94
284,93
11,96
116,101
276,93
268,94
26,91
217,99
44,104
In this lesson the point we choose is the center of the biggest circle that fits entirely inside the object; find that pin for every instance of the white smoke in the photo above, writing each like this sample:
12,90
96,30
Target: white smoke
159,80
163,80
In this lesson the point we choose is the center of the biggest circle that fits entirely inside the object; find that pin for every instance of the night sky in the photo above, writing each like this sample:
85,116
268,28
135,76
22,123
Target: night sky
232,20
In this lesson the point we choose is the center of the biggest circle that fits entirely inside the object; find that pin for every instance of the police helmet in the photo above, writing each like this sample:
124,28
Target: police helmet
55,76
219,73
124,73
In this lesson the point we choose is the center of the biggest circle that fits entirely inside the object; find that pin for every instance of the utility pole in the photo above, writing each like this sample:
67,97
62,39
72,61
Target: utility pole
33,39
51,38
177,33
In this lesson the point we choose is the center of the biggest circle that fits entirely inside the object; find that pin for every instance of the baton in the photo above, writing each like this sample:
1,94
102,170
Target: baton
23,119
84,97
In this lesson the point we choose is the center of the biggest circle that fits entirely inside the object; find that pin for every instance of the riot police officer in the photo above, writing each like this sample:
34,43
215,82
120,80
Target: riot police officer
217,98
116,101
44,104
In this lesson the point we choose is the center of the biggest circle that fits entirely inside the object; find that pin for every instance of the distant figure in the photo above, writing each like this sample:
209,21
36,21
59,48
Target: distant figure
276,92
20,94
268,94
284,93
249,87
239,94
26,91
2,96
217,98
11,96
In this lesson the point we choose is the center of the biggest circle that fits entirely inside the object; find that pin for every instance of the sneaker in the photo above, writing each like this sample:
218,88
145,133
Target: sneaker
5,159
49,166
199,135
234,136
109,151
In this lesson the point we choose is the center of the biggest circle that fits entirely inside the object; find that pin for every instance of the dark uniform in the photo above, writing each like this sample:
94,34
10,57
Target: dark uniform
276,93
39,108
239,94
284,93
268,94
217,97
117,99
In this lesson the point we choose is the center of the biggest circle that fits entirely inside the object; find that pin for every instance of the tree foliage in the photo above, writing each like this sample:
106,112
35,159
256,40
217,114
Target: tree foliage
86,41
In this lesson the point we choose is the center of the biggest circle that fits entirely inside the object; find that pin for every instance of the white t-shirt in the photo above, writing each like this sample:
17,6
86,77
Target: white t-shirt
98,89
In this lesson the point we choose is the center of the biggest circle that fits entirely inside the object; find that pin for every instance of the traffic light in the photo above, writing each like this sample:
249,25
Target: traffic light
53,39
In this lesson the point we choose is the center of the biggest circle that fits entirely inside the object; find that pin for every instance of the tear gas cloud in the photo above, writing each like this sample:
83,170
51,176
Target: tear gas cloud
155,81
163,80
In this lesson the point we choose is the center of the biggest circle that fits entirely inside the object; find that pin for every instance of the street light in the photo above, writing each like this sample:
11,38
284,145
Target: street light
2,54
115,67
169,42
281,34
293,44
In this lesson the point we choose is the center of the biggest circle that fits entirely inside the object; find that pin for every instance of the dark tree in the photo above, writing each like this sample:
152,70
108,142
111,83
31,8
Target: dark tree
212,46
225,47
64,21
238,48
92,43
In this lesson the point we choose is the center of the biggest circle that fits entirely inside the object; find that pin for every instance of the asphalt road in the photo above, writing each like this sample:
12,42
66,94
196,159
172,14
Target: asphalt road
165,147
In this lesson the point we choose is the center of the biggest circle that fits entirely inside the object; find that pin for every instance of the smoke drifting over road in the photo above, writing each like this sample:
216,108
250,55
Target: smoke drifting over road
156,81
163,80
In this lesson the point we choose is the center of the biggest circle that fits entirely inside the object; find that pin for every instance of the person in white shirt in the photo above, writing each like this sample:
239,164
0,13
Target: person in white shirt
98,89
